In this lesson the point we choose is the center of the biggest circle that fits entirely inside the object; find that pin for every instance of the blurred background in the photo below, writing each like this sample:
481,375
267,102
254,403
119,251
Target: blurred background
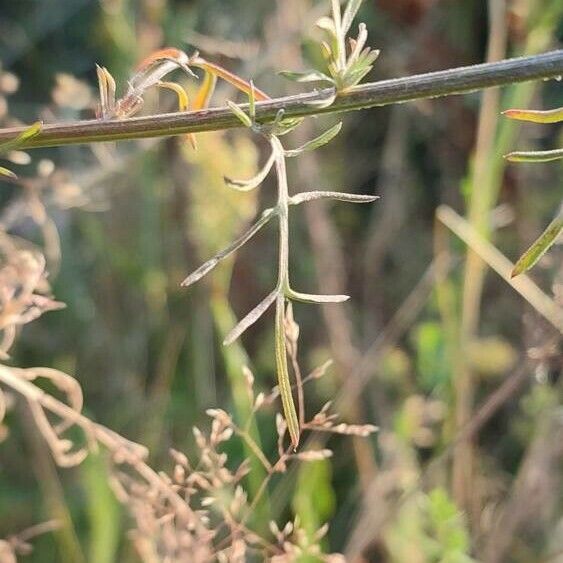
462,376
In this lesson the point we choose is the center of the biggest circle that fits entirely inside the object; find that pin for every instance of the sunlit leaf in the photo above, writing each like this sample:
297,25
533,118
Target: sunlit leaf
534,156
20,140
536,116
319,141
547,239
7,173
251,318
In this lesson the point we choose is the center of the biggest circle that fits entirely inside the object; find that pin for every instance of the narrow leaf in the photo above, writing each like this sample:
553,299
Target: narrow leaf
349,14
312,298
247,185
244,119
536,116
284,383
319,141
250,318
7,173
235,245
183,100
534,156
20,140
547,239
307,76
340,196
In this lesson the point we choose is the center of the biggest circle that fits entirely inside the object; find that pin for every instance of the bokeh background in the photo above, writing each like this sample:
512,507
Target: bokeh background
427,343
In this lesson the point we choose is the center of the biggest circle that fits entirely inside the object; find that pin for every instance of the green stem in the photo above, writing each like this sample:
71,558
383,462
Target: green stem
283,286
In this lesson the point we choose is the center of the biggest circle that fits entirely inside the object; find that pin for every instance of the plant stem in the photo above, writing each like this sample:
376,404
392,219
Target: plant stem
431,85
282,287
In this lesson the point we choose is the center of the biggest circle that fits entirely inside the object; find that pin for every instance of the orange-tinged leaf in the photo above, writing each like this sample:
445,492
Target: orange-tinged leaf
536,116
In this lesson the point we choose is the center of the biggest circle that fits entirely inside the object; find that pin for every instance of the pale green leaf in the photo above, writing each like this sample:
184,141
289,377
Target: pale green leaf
243,118
307,76
534,156
20,140
317,142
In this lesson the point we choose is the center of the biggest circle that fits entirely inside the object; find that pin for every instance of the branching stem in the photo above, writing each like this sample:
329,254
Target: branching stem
431,85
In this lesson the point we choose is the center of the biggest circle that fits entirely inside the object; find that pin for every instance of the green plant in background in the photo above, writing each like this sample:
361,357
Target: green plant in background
553,231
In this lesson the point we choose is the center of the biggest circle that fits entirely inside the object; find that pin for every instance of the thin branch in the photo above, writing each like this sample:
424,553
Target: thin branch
431,85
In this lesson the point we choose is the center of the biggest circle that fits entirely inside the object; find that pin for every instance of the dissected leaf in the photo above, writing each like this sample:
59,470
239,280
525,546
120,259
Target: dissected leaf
319,141
541,246
534,156
535,116
251,318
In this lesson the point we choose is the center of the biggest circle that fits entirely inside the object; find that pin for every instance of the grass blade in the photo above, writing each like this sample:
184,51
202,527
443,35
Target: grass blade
547,239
